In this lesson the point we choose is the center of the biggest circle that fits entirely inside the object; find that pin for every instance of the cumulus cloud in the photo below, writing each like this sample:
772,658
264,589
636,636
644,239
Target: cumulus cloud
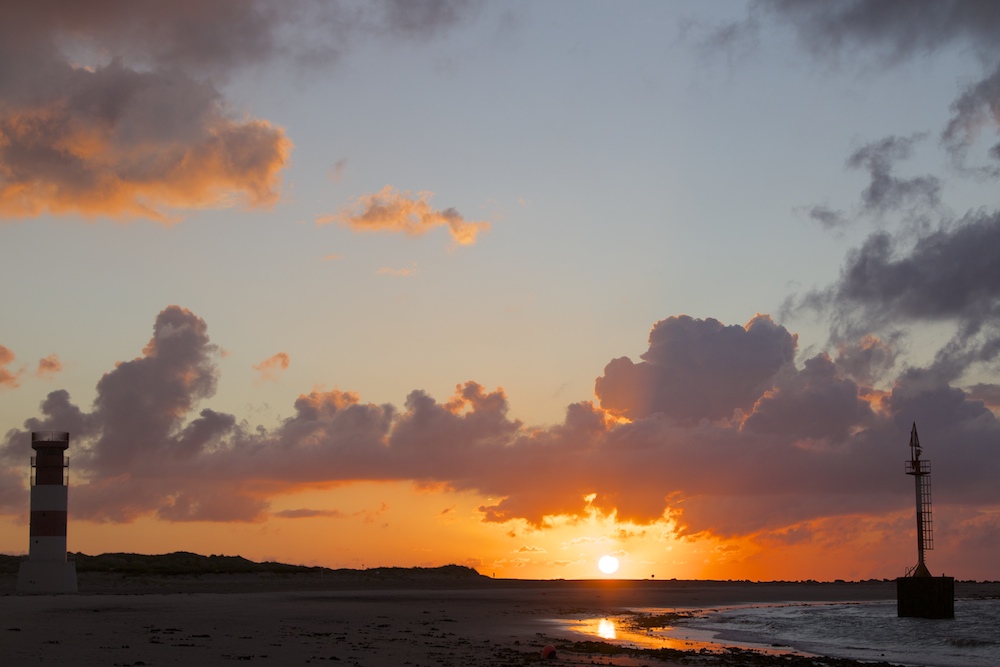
816,403
697,369
112,107
272,367
390,210
781,445
115,140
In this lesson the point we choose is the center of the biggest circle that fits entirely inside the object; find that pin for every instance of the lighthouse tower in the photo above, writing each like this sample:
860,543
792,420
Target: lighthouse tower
46,570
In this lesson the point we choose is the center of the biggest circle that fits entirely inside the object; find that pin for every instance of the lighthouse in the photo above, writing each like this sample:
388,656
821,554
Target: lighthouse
46,570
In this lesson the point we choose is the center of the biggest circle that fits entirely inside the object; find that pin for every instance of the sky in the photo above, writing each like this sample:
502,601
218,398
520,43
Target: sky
509,285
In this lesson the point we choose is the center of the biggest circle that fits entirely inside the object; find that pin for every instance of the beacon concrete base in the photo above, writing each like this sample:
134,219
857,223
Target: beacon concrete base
925,597
46,577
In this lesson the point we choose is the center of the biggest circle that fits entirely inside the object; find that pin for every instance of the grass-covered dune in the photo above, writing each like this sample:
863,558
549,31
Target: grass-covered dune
113,569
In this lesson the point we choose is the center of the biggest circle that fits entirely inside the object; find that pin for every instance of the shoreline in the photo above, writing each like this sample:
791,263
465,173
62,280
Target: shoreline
212,619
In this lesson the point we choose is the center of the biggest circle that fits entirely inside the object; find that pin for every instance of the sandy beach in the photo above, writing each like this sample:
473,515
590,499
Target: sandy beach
303,620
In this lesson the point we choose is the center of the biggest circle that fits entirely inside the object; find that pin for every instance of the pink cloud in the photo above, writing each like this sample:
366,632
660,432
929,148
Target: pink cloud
49,366
8,378
272,367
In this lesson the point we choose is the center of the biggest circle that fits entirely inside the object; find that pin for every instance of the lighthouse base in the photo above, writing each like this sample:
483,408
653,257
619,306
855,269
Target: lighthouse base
925,597
46,576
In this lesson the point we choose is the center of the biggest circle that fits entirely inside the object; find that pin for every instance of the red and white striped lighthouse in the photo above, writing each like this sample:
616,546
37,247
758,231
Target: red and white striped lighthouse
46,570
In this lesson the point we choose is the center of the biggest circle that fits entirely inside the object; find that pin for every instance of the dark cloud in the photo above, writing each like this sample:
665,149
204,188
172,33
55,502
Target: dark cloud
887,192
224,35
13,494
915,199
940,268
895,29
988,393
866,360
976,109
898,30
143,403
949,275
697,369
760,445
421,18
814,402
827,217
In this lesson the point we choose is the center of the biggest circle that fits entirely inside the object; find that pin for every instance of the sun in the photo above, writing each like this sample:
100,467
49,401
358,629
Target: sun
608,564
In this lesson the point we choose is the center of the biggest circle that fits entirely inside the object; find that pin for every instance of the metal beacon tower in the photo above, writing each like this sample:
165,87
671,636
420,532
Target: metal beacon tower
918,593
46,570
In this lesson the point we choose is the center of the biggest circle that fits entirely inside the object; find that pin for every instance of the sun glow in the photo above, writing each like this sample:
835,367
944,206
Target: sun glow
608,564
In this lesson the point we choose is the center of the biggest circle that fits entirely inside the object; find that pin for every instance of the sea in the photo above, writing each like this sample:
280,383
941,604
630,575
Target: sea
864,631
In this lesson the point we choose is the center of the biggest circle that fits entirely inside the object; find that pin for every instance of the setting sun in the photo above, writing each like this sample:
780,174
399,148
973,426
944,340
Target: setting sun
608,564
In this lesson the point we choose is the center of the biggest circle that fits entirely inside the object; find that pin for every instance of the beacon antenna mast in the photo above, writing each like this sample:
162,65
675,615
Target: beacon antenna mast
921,471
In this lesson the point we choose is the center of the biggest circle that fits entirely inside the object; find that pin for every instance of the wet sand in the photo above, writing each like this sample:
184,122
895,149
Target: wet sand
212,620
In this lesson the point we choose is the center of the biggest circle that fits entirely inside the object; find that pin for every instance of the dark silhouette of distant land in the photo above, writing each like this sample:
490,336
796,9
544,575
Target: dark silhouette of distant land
185,571
187,563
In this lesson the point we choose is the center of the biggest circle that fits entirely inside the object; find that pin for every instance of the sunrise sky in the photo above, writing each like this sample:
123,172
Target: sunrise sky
513,285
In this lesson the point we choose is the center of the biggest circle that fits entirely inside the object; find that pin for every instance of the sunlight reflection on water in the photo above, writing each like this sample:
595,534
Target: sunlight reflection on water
617,630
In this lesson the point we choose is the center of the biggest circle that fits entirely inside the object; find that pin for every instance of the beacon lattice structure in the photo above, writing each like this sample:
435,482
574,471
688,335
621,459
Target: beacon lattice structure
919,593
46,570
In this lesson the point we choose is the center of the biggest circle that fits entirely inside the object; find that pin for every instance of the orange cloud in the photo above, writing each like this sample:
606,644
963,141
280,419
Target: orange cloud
50,365
389,210
148,134
399,273
272,367
7,377
61,160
